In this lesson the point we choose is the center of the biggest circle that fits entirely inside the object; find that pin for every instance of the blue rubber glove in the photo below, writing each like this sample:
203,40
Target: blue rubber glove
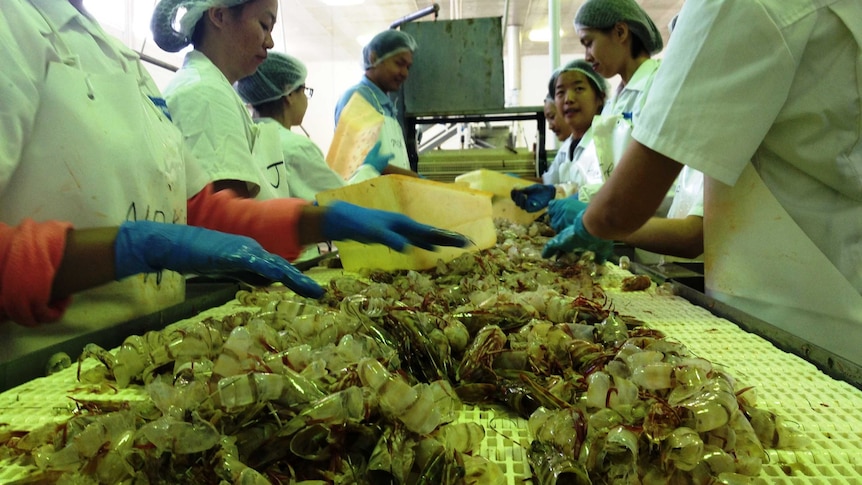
147,247
563,211
533,198
576,238
347,221
376,160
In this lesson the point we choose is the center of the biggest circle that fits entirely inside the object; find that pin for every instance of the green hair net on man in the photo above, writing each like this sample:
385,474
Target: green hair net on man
385,45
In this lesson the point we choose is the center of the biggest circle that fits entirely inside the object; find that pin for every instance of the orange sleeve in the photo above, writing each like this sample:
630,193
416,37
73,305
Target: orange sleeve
272,223
30,254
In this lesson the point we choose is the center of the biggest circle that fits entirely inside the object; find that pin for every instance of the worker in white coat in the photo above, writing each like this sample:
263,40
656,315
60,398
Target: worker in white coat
231,39
387,59
88,147
775,128
579,94
619,38
278,94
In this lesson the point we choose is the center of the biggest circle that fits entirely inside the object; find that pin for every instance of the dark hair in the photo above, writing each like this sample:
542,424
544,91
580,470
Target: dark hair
270,109
637,47
601,95
197,34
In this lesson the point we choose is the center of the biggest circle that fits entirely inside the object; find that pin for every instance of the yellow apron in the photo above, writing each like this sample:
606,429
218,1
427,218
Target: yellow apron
757,259
358,129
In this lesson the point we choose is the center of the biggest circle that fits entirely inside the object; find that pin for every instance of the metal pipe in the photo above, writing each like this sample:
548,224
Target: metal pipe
554,34
505,19
513,56
434,8
157,62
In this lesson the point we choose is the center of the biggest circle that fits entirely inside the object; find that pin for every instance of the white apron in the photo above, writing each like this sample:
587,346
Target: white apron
611,136
100,153
758,260
392,138
268,157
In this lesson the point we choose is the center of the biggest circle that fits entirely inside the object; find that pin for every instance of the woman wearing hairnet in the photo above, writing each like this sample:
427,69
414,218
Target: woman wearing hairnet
87,145
775,129
579,95
278,93
231,39
386,59
619,38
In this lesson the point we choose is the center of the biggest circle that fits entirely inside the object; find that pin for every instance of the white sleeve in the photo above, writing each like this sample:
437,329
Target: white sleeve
709,109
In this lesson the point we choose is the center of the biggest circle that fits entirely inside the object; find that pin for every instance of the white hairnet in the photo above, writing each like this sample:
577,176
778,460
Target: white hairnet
278,75
164,17
602,14
385,45
584,67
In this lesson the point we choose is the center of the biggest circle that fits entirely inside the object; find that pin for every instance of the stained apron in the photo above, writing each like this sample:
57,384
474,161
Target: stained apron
758,260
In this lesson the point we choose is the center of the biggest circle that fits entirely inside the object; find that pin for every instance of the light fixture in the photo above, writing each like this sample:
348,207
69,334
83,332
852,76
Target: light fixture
541,35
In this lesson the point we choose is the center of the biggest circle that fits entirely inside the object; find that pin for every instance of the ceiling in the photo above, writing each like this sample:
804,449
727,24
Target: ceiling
312,30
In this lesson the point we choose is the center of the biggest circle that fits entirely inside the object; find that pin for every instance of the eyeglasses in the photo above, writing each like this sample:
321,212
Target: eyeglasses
309,92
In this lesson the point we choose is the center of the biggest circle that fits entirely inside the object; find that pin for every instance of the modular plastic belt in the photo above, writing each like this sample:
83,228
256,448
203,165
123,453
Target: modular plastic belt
828,411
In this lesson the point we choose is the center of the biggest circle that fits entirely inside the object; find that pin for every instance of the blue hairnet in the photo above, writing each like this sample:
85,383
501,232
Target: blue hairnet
602,14
586,69
385,45
278,75
165,13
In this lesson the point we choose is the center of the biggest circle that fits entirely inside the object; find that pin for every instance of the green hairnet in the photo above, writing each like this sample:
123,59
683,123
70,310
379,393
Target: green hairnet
603,14
278,75
584,67
164,16
385,45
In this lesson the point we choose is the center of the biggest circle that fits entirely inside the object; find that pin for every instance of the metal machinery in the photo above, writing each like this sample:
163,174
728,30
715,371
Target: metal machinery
455,92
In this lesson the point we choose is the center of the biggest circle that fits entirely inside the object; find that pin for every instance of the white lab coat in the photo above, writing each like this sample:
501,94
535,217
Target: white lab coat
305,167
688,195
219,131
687,201
780,119
552,174
82,142
610,133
